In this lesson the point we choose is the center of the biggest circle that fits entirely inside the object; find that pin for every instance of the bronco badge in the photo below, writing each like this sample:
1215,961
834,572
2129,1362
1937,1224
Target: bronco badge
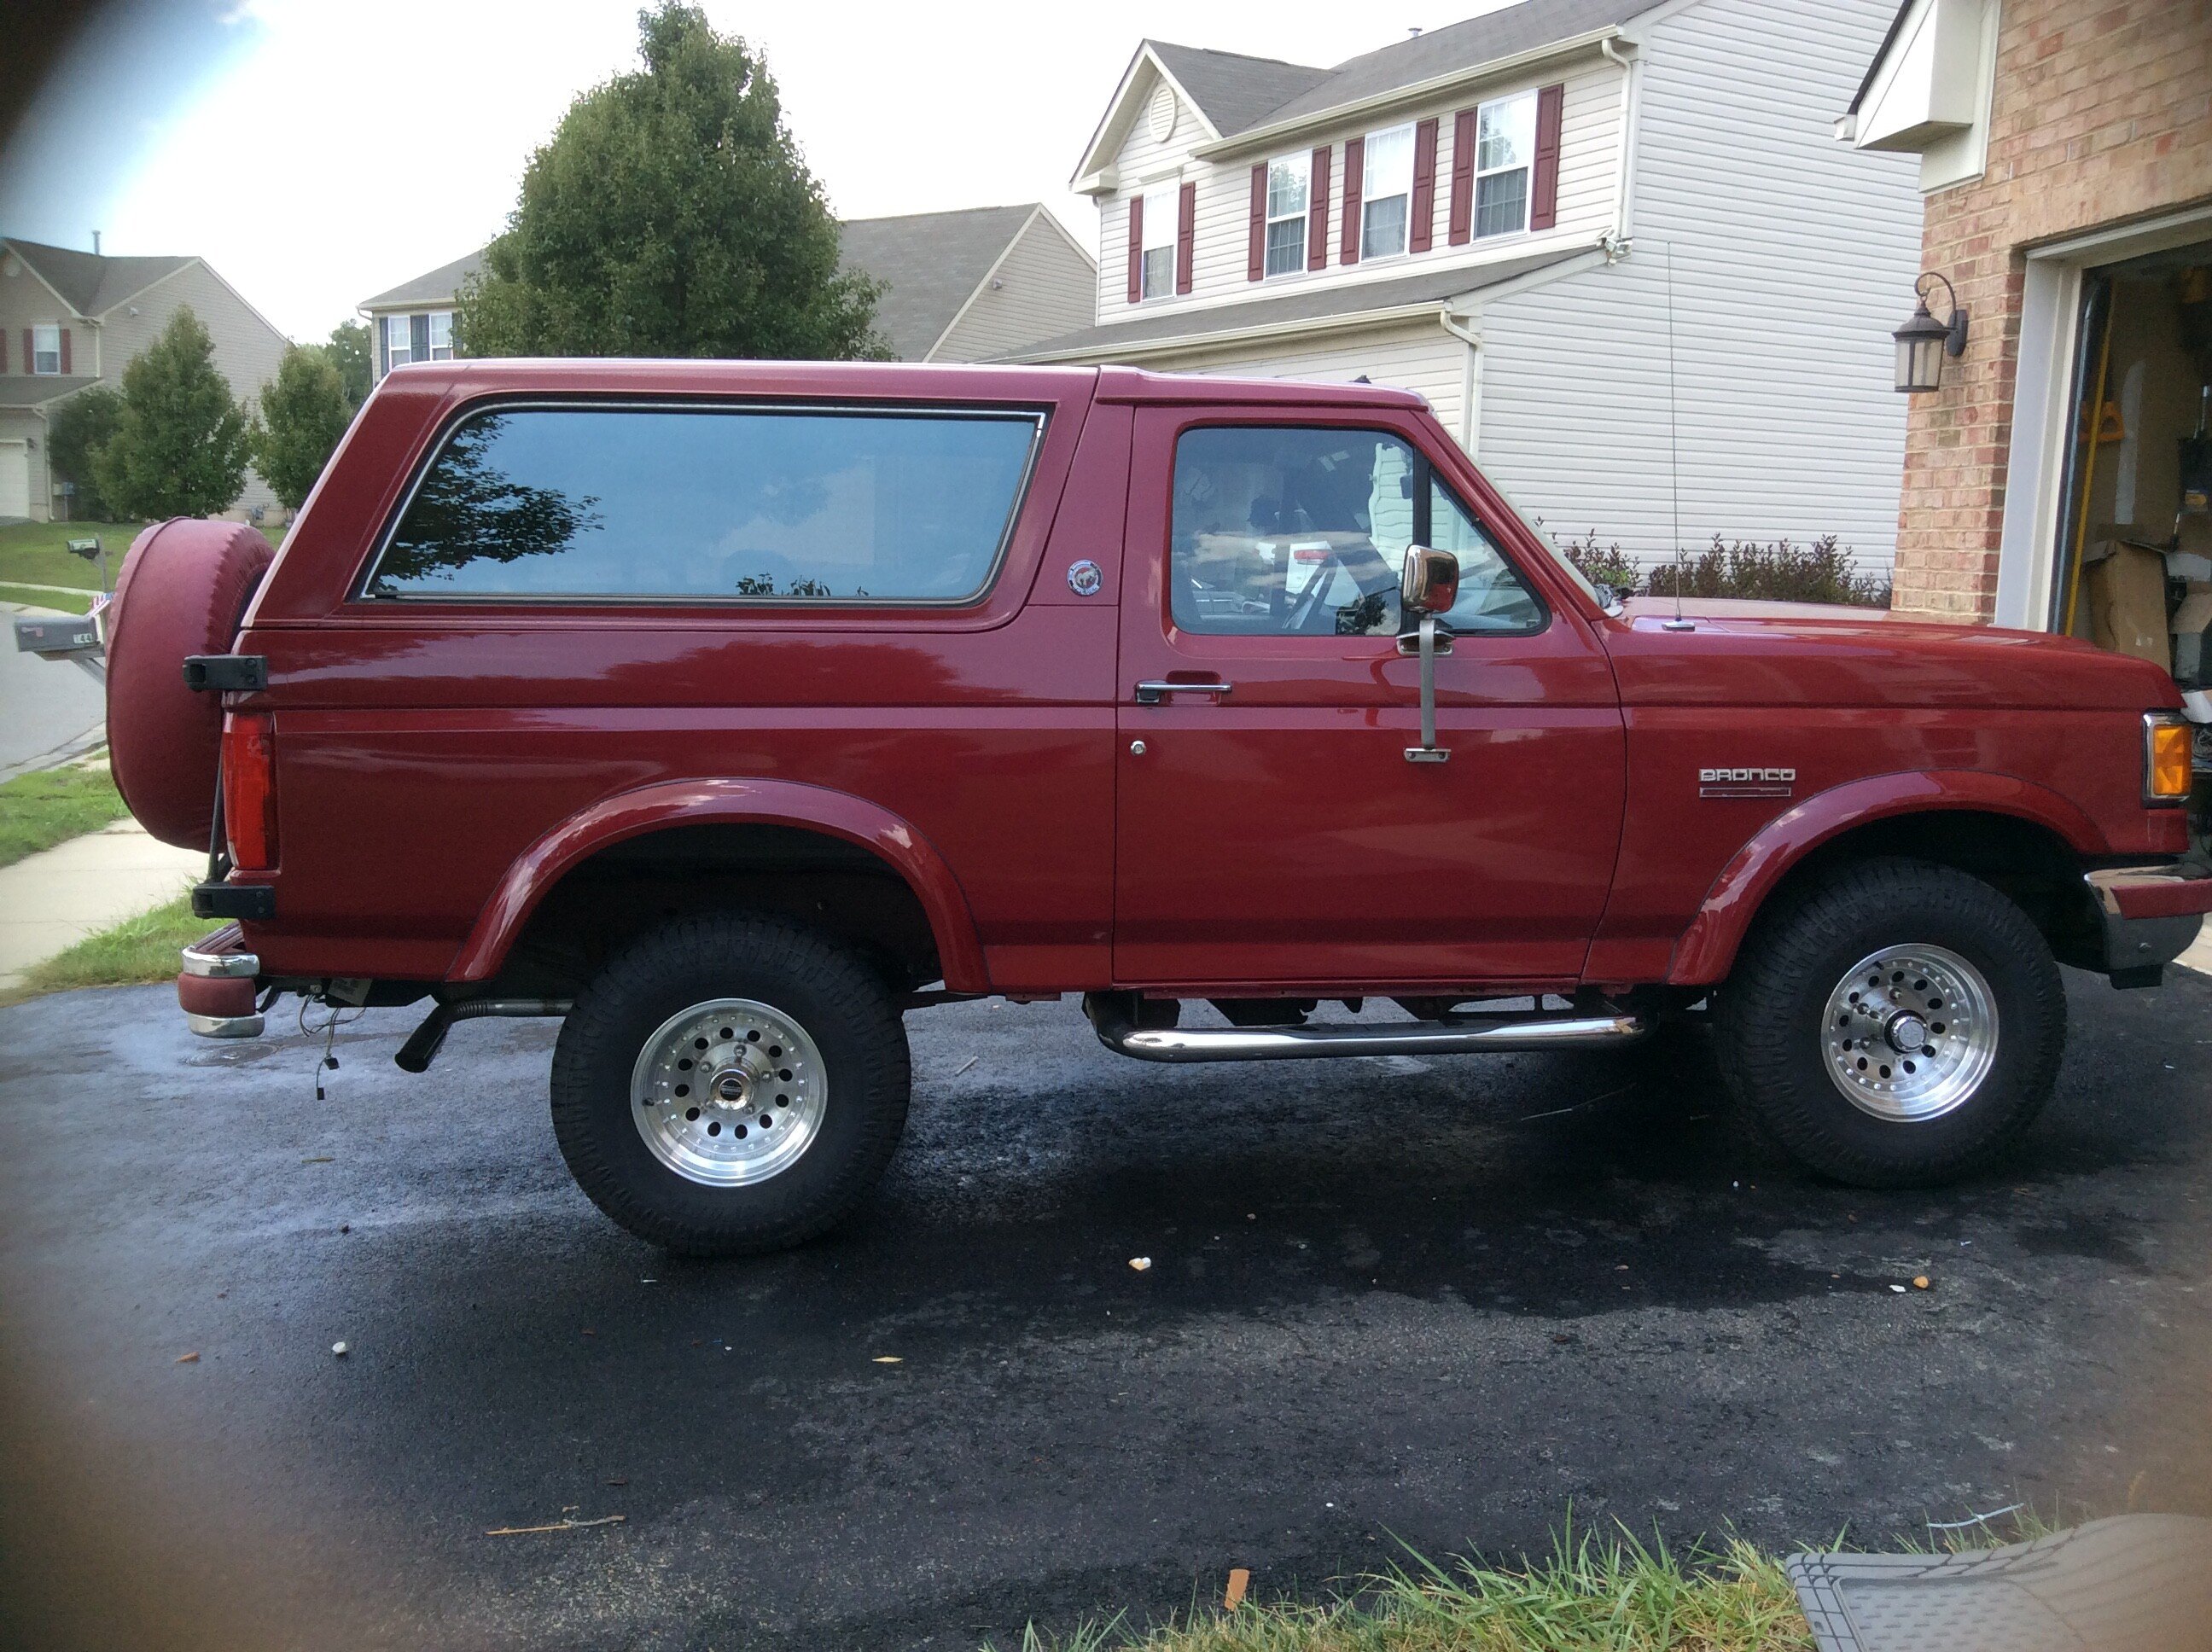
1084,578
1745,783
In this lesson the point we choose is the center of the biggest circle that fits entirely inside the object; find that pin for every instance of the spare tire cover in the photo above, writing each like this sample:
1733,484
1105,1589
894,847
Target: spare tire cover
183,590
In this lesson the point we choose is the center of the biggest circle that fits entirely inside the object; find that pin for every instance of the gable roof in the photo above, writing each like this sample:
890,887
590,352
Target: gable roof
88,282
1231,90
27,390
433,286
930,264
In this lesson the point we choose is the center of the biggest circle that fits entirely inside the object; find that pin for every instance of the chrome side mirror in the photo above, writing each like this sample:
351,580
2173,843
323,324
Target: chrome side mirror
1430,581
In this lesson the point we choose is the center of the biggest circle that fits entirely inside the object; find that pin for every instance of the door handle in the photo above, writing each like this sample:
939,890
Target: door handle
1151,694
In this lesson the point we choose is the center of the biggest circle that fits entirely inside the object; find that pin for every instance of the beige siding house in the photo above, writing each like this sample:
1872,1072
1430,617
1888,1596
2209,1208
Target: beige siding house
1609,240
71,319
962,285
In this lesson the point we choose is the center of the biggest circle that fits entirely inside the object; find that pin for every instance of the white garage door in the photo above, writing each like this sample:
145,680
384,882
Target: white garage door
15,478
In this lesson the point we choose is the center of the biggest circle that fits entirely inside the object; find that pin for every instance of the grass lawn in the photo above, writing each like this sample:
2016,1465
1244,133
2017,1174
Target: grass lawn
60,602
136,951
34,551
40,810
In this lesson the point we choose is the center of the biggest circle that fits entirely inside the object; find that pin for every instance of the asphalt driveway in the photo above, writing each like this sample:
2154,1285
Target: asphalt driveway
1435,1301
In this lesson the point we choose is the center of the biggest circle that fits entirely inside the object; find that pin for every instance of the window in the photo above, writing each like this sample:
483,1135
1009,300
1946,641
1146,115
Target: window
441,335
1386,191
611,503
1159,242
1288,180
1504,146
46,349
1280,531
396,353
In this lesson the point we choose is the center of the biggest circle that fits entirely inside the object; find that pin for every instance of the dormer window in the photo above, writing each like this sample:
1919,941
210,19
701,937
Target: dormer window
1504,149
1386,192
1290,183
46,349
1159,242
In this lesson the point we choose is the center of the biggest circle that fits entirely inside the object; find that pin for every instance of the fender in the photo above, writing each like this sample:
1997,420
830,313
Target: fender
702,802
1708,947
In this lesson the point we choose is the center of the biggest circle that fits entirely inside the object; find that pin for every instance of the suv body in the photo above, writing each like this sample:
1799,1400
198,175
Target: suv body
1009,681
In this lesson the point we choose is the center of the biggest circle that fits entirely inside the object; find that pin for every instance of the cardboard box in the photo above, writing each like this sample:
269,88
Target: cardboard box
2127,604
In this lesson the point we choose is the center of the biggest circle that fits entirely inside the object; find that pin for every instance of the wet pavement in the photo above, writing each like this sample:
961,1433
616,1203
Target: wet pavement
1435,1302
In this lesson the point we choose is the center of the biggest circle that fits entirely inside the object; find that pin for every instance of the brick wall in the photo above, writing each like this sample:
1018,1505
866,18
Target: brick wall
2102,113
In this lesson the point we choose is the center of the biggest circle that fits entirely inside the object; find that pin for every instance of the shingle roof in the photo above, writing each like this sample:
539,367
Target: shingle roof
437,286
89,283
1311,304
28,390
1239,94
931,262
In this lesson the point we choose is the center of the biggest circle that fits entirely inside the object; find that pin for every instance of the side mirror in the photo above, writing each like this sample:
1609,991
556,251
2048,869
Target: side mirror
1430,581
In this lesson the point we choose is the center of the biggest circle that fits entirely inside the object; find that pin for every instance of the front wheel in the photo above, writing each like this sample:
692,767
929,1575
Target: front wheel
731,1085
1895,1025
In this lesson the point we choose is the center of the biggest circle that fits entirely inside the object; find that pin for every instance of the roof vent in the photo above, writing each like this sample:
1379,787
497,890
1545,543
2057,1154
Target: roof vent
1163,112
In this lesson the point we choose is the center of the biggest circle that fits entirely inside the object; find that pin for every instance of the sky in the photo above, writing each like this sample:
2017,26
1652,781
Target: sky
317,151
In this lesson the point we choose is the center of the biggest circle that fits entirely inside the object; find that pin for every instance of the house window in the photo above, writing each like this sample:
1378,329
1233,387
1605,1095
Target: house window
396,353
1289,178
1159,242
1504,146
1386,192
46,349
441,335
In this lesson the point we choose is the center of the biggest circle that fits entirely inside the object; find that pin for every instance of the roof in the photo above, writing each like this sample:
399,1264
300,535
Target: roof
88,283
437,286
1240,95
28,390
1874,64
1426,286
930,262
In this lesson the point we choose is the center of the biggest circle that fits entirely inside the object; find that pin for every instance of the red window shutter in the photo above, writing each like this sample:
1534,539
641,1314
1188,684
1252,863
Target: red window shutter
65,349
1355,158
30,357
1136,248
1255,240
3,349
1544,186
1317,212
1462,184
1422,231
1186,234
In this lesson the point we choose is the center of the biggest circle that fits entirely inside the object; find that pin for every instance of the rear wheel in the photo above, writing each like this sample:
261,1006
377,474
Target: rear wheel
727,1085
1895,1025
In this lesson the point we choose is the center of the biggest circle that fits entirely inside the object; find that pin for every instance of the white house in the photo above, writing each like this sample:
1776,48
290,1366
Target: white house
1614,242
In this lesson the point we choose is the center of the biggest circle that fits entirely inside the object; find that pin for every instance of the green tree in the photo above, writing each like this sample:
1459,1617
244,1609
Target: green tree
79,429
180,442
348,353
671,214
303,414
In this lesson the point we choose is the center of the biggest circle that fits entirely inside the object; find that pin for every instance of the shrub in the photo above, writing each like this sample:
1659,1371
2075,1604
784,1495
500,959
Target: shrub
81,427
303,414
1822,572
1601,566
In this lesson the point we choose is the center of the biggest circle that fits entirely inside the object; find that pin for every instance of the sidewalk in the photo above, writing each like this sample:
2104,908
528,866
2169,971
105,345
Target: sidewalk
52,900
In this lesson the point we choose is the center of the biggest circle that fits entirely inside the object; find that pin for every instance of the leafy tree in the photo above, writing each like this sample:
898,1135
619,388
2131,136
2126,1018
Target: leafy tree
469,510
348,353
79,428
671,214
180,442
303,414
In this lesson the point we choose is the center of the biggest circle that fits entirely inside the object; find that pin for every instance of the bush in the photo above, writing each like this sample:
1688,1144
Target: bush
303,415
79,428
1601,566
180,442
1822,572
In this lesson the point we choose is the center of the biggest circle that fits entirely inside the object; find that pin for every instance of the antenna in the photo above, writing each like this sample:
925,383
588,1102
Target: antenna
1675,449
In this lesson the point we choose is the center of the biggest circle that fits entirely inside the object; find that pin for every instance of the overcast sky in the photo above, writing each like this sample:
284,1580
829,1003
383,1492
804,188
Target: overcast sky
317,151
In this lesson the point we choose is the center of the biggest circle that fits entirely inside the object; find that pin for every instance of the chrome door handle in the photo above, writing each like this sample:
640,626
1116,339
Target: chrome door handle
1151,694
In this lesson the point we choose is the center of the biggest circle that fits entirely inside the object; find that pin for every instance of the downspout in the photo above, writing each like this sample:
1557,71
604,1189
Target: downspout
1470,379
1623,189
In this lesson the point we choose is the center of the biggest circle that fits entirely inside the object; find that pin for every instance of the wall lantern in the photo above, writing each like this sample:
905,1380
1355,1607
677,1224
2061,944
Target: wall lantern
1923,342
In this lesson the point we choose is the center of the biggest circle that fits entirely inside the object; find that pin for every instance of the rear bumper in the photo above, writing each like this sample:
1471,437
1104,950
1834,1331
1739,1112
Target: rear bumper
218,987
2151,915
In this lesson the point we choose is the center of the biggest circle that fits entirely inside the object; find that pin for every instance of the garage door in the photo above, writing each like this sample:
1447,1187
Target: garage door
15,478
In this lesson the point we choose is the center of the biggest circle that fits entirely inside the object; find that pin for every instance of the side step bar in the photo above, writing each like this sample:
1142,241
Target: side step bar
1490,1034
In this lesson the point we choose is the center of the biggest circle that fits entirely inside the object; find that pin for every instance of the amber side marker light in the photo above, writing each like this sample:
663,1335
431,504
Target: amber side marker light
2167,743
249,789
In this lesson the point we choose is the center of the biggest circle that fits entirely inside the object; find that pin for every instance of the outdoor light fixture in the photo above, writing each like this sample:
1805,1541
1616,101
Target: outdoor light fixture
1923,342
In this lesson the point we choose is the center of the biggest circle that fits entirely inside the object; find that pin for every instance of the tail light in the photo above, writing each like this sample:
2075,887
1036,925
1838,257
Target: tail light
2168,740
249,789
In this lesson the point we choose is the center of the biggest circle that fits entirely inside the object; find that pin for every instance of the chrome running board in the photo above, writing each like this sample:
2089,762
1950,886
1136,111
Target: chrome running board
1489,1035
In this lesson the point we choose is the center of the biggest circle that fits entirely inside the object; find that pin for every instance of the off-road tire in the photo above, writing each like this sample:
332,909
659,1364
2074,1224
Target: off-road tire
1772,1019
843,1005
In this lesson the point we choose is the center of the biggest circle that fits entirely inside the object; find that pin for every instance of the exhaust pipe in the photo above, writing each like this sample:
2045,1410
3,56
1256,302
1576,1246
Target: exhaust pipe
1475,1035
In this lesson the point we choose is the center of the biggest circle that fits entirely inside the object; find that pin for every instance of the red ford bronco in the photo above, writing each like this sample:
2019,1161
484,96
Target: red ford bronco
730,711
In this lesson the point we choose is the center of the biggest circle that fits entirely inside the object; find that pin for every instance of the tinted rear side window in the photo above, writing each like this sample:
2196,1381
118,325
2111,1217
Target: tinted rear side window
724,503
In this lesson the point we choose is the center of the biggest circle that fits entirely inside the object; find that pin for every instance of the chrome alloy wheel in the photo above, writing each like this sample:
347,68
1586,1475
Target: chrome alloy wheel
729,1092
1910,1033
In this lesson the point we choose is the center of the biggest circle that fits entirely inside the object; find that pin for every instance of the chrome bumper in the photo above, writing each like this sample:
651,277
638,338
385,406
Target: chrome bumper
215,988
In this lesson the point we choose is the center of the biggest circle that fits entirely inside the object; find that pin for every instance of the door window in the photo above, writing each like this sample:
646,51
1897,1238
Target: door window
1283,531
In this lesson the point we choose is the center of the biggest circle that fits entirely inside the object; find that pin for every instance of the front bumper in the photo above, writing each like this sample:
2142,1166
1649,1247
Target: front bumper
2151,915
218,987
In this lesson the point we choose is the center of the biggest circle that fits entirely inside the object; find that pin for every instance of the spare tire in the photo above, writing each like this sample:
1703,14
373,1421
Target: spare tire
183,590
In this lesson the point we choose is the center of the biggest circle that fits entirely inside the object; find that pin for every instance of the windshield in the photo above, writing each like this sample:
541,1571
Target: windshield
1605,597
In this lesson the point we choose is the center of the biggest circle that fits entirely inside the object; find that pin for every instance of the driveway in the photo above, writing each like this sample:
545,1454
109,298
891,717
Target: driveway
52,705
1434,1302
